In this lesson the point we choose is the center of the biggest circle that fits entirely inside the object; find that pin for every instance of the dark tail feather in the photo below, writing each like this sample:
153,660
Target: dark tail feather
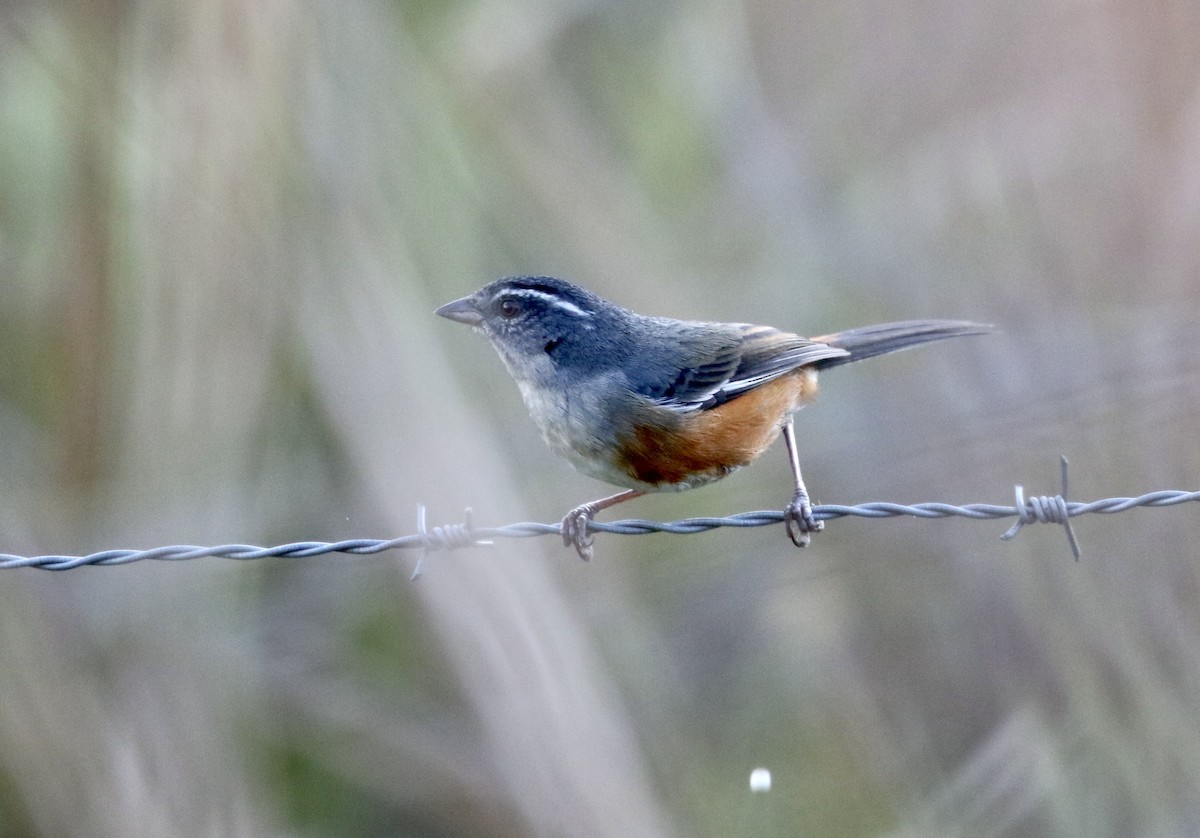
869,341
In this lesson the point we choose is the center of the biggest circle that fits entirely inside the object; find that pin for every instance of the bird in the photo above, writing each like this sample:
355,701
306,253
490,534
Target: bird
654,404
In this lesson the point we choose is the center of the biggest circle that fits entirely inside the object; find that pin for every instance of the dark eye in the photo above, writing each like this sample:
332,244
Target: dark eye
509,309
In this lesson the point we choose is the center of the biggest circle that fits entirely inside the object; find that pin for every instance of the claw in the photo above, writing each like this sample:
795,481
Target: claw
575,533
799,521
574,527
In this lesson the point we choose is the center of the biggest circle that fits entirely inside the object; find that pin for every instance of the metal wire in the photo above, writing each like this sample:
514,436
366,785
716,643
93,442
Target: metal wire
1055,509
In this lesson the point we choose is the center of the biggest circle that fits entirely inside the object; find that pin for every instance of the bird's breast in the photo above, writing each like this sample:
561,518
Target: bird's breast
681,451
575,423
608,432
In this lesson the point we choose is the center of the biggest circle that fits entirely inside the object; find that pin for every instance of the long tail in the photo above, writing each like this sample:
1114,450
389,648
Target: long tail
869,341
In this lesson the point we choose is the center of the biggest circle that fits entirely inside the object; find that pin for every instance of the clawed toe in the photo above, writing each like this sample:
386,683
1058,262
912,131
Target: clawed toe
574,529
799,521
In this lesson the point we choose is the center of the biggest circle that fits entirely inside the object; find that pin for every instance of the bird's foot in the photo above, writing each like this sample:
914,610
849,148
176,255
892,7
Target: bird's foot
574,529
799,520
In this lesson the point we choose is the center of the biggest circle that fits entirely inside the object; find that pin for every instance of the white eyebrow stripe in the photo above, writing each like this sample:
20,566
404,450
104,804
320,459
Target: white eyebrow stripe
558,302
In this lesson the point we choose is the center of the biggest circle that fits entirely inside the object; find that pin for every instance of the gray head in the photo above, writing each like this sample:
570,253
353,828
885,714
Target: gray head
534,319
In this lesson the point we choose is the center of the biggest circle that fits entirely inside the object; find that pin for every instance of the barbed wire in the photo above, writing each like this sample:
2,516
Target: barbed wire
1055,509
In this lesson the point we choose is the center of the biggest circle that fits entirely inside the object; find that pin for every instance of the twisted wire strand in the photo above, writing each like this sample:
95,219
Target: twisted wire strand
1054,509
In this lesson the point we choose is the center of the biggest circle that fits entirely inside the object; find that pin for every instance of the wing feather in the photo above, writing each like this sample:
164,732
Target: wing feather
753,356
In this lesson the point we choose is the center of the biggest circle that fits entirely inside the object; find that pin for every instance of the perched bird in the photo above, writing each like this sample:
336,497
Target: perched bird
653,404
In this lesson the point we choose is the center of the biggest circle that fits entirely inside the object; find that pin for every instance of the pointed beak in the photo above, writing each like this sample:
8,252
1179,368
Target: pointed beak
462,311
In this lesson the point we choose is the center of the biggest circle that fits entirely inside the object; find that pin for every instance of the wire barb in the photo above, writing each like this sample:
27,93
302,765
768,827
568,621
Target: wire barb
416,574
449,537
1046,510
1034,510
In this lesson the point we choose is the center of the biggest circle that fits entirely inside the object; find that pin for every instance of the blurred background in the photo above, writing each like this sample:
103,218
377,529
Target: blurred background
224,226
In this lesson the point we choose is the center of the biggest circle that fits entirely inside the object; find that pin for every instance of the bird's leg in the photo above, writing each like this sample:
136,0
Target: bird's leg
798,517
574,526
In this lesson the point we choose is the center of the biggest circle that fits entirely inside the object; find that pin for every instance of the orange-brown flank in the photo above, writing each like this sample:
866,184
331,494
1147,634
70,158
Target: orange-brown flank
709,444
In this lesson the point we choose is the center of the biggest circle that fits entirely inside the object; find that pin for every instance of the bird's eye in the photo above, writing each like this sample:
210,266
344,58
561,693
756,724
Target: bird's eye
509,309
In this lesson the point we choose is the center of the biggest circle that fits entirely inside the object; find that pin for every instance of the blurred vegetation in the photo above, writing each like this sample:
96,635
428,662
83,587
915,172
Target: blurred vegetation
223,228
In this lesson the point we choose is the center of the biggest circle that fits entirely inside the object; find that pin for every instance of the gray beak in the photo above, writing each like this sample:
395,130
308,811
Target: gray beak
462,311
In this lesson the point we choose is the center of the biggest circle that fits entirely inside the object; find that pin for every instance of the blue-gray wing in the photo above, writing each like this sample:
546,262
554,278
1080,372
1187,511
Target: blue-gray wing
745,357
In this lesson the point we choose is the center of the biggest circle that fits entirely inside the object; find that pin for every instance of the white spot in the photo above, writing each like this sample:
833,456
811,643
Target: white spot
760,780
